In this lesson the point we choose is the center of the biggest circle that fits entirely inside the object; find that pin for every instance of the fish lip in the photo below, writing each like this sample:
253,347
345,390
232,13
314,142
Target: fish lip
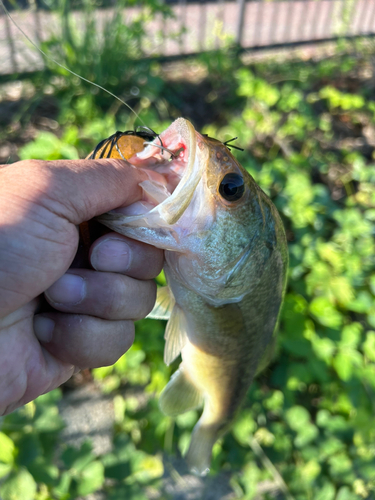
175,205
172,208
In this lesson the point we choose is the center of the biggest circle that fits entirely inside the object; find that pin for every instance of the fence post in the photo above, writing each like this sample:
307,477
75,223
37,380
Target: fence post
202,25
371,21
11,46
221,20
37,27
240,20
182,16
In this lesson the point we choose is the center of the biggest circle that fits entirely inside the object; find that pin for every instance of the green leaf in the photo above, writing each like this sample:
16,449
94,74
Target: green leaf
29,449
351,335
5,469
345,361
48,147
325,313
91,478
187,420
306,435
244,427
275,401
297,417
340,465
116,468
48,419
369,345
310,471
7,449
19,485
326,493
78,459
330,446
250,477
147,467
129,492
362,303
62,489
345,493
324,348
50,398
44,471
183,442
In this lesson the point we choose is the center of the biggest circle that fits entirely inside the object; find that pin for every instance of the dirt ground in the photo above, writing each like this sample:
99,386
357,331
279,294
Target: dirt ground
88,413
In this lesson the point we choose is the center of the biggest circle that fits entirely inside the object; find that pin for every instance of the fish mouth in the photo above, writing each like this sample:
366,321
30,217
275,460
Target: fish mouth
166,194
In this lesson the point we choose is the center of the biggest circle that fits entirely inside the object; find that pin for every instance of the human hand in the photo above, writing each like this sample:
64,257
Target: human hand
92,321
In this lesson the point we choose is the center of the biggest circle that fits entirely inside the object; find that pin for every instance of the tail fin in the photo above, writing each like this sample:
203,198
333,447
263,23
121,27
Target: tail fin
199,454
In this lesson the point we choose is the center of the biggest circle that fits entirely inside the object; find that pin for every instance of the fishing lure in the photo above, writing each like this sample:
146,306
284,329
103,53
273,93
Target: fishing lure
124,144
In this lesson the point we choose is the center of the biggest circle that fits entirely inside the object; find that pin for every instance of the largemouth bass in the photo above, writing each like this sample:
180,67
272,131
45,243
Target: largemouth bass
225,264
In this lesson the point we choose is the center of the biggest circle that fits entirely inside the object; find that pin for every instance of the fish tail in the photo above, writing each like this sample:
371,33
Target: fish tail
200,450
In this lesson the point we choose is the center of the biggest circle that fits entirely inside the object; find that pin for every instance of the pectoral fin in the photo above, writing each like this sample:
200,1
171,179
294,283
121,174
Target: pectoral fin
164,304
180,395
175,335
175,332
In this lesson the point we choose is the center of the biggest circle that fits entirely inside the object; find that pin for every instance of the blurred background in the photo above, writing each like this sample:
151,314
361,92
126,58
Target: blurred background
295,82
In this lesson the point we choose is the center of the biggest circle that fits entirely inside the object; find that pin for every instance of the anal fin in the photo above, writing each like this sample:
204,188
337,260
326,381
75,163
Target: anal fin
180,395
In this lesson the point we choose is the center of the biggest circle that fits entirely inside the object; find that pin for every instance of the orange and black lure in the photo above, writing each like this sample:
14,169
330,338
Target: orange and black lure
123,145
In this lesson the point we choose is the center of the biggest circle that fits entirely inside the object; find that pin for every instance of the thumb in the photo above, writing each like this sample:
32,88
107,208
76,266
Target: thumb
79,190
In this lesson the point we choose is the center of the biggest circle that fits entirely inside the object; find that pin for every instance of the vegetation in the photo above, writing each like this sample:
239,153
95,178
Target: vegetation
307,428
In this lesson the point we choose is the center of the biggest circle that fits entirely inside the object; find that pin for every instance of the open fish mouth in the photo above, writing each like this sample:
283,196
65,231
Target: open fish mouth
172,155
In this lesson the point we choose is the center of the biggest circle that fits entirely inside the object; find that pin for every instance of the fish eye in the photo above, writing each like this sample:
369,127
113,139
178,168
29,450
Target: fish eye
232,187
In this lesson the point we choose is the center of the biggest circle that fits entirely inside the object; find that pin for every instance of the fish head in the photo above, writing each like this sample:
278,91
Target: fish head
218,227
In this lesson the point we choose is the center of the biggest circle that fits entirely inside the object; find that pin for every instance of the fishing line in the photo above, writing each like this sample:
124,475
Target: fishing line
64,67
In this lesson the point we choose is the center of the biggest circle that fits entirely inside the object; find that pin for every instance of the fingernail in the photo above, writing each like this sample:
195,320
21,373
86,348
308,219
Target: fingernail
112,254
43,328
69,289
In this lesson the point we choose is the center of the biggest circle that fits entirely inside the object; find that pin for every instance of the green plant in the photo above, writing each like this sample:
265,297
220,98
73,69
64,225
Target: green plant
307,426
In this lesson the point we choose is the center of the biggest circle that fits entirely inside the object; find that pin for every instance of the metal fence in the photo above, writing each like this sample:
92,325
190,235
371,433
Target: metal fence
206,25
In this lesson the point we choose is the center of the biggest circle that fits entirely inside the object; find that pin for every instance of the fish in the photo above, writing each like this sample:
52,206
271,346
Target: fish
226,262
